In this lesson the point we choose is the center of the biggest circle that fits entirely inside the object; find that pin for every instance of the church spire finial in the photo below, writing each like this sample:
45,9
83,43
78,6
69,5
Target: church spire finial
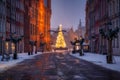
80,24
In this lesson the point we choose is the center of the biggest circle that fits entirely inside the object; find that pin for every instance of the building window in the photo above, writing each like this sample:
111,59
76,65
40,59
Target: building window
117,42
113,43
117,6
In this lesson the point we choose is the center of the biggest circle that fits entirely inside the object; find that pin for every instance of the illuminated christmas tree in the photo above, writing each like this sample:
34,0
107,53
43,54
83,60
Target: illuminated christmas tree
60,42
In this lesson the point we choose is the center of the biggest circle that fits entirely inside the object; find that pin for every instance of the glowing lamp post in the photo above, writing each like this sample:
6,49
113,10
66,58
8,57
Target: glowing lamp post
15,39
77,46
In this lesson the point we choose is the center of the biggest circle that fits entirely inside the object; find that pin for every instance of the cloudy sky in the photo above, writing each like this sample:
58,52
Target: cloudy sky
68,13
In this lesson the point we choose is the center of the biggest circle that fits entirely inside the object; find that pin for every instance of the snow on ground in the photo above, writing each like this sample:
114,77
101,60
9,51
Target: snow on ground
100,59
91,57
4,65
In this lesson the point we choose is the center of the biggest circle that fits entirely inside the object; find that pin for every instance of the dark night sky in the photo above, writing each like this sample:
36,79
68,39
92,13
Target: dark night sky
68,13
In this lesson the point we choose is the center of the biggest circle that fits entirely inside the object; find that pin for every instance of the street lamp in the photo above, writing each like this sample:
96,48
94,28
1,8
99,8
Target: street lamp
15,39
109,34
78,46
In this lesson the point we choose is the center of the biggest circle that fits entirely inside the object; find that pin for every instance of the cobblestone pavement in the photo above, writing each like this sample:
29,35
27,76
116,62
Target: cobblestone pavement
50,66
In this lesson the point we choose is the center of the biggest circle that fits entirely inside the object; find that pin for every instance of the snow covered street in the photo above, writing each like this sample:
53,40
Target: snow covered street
91,57
4,65
100,59
57,66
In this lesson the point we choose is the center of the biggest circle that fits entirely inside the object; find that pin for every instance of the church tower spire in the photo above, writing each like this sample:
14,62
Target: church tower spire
80,24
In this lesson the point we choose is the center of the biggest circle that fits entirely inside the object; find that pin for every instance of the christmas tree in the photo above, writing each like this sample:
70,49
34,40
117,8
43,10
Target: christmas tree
60,42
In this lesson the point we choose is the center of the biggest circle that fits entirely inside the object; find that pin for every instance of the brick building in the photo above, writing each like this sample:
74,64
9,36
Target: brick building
30,18
31,23
44,16
37,23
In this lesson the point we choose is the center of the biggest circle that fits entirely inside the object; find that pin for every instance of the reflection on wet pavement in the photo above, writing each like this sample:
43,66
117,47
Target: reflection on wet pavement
51,66
27,77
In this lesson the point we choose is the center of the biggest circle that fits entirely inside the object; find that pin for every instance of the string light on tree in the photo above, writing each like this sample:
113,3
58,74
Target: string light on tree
60,41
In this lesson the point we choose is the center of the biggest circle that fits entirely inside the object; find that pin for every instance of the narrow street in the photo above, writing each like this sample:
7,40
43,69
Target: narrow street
58,66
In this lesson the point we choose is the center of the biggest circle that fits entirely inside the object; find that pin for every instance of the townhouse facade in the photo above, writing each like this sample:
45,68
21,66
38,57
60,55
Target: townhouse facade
37,23
31,24
44,16
11,21
114,15
2,24
98,13
28,18
14,23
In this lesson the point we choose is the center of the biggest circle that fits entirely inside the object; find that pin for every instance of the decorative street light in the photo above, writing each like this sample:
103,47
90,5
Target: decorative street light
109,34
78,46
15,39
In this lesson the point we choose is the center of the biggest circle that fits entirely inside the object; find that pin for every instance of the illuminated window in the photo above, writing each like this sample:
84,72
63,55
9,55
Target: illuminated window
7,45
13,48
